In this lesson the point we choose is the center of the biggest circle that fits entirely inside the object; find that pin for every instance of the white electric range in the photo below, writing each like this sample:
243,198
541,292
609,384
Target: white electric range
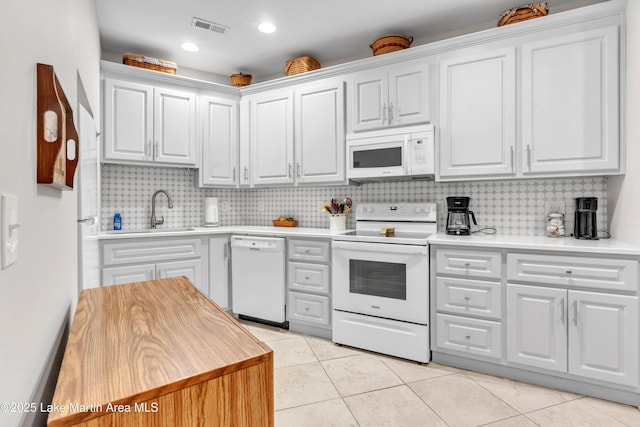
381,281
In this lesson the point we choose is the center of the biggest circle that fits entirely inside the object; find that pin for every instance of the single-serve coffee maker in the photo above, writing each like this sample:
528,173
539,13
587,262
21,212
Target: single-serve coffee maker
585,219
458,216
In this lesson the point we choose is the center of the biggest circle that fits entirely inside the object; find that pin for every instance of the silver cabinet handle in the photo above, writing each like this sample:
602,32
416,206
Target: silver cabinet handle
226,250
390,113
234,174
575,313
467,264
89,220
289,173
246,174
155,150
298,170
467,299
562,310
384,113
569,272
512,160
467,337
147,149
529,157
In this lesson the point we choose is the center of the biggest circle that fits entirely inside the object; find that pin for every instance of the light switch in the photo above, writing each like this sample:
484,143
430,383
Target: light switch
9,229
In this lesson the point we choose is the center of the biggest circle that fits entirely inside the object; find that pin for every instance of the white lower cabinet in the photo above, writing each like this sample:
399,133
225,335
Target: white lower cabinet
589,334
219,252
563,319
309,286
135,260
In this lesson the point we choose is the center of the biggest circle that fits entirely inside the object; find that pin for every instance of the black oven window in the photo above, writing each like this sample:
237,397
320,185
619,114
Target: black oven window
381,279
379,158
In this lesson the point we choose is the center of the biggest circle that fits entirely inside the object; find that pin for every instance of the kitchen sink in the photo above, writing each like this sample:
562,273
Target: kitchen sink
149,230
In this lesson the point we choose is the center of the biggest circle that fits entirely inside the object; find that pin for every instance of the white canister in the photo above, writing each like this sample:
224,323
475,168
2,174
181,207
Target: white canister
211,212
337,221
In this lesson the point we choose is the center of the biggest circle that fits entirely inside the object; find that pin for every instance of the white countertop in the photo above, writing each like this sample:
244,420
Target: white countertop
495,241
537,243
254,230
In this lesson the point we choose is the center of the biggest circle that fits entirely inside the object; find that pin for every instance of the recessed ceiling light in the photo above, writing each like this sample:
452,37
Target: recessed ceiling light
190,47
267,27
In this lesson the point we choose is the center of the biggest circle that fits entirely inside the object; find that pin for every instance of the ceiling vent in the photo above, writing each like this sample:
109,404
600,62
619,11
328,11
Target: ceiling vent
210,26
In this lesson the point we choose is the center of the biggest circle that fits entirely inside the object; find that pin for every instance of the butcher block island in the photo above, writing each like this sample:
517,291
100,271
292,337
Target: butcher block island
159,353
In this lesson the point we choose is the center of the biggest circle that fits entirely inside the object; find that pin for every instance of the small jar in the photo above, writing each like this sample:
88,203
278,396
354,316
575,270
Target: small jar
555,224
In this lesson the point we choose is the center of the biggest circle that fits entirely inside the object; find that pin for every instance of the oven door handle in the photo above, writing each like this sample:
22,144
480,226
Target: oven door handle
381,247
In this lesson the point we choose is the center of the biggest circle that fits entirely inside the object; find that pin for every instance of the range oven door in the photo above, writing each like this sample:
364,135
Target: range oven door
381,279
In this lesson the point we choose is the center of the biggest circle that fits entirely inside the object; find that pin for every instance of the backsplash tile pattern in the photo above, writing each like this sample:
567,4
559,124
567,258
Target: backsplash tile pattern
512,206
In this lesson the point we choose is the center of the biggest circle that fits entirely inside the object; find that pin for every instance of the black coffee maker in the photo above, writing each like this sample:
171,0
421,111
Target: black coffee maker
585,219
458,216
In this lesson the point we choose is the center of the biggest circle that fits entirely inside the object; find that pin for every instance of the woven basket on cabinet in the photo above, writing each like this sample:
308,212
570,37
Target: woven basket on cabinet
239,80
149,63
523,13
390,43
301,64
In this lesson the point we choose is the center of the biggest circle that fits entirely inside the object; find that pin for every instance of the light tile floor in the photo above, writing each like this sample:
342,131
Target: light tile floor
318,383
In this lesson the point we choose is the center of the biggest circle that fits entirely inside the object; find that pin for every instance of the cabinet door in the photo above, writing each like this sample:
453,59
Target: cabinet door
319,133
370,92
174,126
127,274
219,271
478,114
244,173
191,269
272,139
219,142
128,116
536,326
409,95
570,103
603,337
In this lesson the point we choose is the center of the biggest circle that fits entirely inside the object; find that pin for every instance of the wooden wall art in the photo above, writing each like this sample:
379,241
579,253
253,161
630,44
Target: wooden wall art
57,138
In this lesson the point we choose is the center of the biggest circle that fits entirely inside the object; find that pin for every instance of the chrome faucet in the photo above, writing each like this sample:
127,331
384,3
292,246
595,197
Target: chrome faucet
155,221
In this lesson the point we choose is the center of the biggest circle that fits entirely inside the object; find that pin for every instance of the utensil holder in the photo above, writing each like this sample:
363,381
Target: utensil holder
337,222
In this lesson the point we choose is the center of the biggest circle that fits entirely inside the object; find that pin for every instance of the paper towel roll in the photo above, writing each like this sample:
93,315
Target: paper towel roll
211,212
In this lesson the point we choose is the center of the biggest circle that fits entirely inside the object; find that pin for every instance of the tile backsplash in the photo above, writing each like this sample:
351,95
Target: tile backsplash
512,206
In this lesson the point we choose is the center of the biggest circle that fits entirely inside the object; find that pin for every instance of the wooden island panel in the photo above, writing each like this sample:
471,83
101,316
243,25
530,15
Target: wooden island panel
165,353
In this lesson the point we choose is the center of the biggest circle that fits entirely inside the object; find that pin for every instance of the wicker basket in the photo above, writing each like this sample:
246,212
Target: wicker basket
390,43
149,63
523,13
301,64
277,223
239,80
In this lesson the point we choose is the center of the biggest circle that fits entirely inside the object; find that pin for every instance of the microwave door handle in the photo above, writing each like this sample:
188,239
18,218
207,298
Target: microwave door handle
406,155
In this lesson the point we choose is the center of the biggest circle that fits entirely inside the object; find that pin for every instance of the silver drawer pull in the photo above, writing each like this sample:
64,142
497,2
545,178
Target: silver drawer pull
467,264
467,298
568,272
306,309
562,310
375,307
306,277
467,337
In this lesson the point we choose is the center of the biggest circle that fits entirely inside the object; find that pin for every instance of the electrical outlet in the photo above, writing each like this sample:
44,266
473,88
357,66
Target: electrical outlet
554,206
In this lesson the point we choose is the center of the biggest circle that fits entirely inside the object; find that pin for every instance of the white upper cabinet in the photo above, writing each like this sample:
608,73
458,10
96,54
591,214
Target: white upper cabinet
392,96
128,128
295,136
320,133
219,165
570,103
147,124
272,138
478,113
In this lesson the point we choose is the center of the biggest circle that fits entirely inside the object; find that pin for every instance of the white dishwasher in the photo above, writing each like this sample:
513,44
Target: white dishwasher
258,278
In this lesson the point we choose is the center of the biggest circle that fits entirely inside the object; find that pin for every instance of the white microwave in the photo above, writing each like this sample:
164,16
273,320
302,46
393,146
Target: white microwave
403,153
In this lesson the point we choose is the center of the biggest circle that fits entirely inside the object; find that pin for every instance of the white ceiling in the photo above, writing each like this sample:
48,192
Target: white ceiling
332,31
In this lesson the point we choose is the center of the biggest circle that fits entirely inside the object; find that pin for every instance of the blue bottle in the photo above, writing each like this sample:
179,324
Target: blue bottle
117,222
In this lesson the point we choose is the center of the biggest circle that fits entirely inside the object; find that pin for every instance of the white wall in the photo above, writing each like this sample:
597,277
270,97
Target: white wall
37,291
624,191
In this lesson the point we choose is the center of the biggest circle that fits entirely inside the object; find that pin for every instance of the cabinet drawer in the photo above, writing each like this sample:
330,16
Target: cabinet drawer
470,297
311,309
469,263
308,277
473,336
601,273
308,250
149,250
